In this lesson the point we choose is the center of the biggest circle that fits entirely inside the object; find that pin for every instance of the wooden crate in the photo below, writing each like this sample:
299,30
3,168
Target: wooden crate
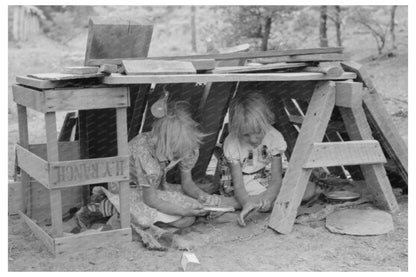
53,173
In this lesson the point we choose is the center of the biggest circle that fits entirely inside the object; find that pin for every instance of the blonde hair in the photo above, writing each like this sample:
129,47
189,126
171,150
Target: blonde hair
249,113
176,134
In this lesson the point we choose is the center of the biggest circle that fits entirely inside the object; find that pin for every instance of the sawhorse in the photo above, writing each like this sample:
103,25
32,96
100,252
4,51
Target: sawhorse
310,152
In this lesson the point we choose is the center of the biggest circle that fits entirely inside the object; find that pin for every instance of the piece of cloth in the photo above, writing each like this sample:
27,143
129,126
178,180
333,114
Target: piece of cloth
255,162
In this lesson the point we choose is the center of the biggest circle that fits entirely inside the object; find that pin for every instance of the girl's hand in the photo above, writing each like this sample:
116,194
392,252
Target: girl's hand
266,205
249,208
209,200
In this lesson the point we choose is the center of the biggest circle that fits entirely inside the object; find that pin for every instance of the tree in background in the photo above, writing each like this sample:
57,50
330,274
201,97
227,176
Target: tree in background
193,29
392,25
63,23
256,22
376,21
323,37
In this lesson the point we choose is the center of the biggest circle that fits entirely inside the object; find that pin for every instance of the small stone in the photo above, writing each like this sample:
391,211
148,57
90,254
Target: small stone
190,262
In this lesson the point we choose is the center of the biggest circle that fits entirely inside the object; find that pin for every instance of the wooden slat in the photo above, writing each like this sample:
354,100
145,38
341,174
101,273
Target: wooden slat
306,58
117,39
257,68
296,177
24,142
64,76
53,156
88,171
124,187
345,153
349,94
82,242
329,68
47,84
235,56
157,67
31,98
39,233
86,99
375,175
117,79
202,64
33,165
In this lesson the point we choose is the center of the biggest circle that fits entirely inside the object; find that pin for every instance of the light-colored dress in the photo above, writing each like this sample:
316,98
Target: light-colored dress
147,170
255,162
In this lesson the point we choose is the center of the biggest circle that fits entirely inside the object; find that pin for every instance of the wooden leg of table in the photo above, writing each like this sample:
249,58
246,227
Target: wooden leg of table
296,177
122,146
24,141
375,175
53,156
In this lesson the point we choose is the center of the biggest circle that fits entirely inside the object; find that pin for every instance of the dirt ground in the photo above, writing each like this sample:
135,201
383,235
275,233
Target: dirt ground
227,247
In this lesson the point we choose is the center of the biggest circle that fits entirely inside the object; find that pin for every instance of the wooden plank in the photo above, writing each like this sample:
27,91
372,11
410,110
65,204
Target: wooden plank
86,99
378,117
257,68
82,242
118,79
64,76
328,68
375,175
33,165
157,67
117,38
47,84
88,171
67,128
345,153
31,98
24,142
80,69
349,94
296,177
53,156
202,64
234,56
39,233
306,58
123,150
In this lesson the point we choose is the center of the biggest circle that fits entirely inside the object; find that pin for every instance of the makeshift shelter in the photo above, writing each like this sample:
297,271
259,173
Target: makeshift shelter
316,95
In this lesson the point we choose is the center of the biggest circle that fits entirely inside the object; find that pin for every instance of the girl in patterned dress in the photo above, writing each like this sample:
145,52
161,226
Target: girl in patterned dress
253,150
174,139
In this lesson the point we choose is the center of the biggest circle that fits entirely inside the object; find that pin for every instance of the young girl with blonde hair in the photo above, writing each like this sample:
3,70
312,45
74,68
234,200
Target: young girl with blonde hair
173,140
254,150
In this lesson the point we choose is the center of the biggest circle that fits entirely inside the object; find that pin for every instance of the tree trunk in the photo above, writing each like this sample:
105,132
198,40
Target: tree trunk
338,25
392,25
193,29
323,39
266,34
